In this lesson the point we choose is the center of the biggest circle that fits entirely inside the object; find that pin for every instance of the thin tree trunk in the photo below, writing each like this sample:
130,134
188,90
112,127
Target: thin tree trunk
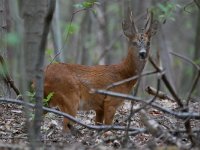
83,54
102,33
4,87
17,27
166,60
39,73
56,34
197,50
33,14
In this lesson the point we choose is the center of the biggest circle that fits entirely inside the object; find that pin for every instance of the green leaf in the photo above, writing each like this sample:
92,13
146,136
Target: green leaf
49,52
12,39
47,99
71,28
86,4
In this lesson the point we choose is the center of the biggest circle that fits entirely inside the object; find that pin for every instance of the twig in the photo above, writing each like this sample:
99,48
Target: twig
7,77
158,131
107,48
179,115
152,91
130,79
187,122
71,118
168,85
196,78
197,3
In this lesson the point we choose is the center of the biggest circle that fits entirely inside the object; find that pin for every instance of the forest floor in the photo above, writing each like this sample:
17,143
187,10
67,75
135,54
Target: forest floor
13,132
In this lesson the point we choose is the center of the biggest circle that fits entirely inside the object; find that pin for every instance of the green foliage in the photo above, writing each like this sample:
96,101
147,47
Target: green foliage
165,10
71,28
31,96
12,39
46,100
49,53
86,4
197,61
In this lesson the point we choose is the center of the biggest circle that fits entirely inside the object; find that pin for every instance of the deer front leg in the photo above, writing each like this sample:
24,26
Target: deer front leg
110,107
99,116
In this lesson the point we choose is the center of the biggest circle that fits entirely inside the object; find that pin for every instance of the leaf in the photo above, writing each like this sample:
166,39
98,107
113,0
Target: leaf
70,28
12,39
86,4
47,99
49,52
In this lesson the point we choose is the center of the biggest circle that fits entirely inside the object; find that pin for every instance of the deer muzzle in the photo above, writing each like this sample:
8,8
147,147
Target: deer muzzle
142,53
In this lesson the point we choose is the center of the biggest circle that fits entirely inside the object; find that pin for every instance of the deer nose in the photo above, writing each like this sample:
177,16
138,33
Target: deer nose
142,54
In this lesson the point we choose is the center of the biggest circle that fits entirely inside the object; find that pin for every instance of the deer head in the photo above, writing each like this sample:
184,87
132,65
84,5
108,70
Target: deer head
139,41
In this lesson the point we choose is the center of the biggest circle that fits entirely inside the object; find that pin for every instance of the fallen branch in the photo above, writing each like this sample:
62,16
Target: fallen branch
152,91
194,84
7,77
167,83
71,118
179,115
159,132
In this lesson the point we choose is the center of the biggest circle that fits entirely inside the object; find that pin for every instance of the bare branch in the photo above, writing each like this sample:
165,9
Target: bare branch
167,83
73,119
7,77
152,91
130,79
180,115
194,84
158,131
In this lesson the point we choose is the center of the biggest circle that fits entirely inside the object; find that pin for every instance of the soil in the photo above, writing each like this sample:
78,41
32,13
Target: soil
13,130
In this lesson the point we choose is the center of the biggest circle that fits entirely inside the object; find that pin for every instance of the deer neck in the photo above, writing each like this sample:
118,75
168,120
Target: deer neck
132,64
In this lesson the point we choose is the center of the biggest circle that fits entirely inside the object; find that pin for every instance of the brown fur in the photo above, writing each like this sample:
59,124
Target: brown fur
71,84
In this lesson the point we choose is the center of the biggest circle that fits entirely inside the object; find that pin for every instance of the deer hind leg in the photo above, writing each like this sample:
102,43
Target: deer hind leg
67,104
110,107
99,116
70,108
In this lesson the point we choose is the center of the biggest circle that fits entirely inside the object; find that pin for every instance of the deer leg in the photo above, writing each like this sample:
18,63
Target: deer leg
110,107
68,104
109,112
99,116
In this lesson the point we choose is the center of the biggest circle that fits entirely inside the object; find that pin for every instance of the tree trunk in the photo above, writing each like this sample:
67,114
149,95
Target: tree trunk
85,31
197,51
4,87
33,13
56,34
102,33
39,72
17,27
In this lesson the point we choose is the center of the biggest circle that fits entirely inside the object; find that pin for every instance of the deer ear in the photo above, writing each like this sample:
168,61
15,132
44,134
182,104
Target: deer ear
153,29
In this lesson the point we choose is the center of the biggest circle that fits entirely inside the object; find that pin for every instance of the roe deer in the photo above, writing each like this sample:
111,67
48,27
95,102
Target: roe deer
71,83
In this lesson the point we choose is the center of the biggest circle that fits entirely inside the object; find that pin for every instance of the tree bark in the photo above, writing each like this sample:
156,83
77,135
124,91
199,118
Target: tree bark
4,86
39,72
33,13
102,33
56,34
197,50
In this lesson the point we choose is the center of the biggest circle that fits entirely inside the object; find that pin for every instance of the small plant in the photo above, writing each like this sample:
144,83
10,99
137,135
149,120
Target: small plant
46,100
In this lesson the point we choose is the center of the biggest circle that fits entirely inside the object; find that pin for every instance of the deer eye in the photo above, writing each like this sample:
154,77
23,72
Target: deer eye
134,43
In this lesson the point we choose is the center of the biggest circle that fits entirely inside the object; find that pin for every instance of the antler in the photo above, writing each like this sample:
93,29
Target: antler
133,23
149,22
128,24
